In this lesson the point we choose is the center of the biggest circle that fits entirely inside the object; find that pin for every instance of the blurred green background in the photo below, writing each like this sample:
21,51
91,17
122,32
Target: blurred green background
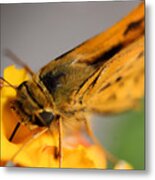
123,135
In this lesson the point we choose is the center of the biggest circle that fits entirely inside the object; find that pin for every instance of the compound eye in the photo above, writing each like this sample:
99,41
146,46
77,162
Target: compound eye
46,118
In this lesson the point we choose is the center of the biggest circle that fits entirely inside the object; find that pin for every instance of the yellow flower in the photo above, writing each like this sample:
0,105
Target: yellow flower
123,165
40,152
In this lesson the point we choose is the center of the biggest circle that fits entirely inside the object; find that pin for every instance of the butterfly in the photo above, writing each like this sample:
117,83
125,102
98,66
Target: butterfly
105,75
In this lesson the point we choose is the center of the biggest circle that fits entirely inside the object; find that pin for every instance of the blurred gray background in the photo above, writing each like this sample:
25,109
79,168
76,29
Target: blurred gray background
40,32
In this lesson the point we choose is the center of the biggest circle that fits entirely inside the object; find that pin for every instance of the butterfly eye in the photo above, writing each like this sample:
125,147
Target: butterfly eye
45,119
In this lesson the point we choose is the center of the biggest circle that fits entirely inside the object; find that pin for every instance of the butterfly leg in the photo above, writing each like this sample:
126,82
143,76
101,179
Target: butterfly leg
18,61
109,156
14,131
60,142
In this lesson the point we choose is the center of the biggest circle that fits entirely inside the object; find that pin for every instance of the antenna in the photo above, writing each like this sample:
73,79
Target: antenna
18,61
4,80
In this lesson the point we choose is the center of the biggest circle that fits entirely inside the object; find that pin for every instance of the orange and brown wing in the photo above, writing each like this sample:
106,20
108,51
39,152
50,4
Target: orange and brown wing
105,73
119,83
